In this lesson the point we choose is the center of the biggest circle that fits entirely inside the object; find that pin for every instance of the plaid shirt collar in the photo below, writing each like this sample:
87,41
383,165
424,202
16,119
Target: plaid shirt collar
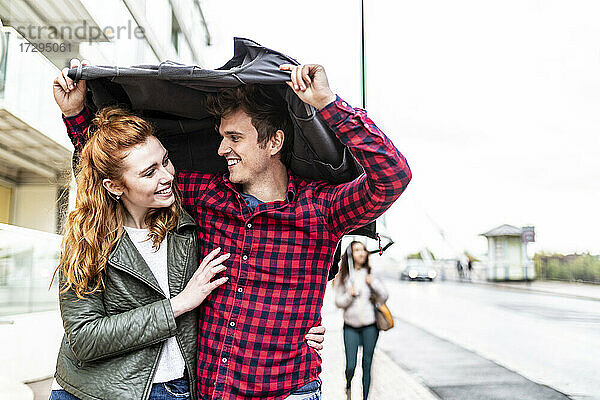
290,192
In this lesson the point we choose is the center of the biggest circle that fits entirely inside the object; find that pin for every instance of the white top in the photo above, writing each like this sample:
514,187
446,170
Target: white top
171,364
359,311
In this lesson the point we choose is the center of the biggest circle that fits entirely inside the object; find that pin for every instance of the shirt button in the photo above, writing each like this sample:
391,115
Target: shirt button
232,323
244,257
249,225
240,290
224,360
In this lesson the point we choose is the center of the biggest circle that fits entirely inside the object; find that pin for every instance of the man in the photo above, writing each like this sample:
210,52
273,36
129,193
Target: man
281,230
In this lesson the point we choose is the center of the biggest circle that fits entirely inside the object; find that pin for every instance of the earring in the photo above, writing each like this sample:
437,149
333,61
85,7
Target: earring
118,197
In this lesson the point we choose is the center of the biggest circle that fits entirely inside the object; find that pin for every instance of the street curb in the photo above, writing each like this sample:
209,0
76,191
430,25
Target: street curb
472,352
413,387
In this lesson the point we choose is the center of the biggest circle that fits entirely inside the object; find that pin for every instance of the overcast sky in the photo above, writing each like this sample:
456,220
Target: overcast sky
494,104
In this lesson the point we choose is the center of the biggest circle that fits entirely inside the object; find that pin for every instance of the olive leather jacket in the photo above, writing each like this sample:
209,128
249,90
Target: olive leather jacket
114,337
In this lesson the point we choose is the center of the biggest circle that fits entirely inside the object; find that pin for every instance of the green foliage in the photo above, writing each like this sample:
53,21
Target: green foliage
418,256
414,256
575,267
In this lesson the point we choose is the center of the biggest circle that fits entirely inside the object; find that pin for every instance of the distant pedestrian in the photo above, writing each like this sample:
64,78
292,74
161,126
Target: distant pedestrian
470,267
459,269
355,290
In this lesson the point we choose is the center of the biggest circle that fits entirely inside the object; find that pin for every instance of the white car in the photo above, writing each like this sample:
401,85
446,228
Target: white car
418,270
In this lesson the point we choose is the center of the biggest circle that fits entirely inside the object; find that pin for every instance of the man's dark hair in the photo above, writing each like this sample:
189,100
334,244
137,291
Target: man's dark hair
266,107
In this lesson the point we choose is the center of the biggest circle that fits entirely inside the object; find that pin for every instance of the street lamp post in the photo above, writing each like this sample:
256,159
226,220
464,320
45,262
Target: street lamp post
2,44
362,55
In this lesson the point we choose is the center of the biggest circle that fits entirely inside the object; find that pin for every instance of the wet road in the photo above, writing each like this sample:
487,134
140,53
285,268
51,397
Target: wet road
551,340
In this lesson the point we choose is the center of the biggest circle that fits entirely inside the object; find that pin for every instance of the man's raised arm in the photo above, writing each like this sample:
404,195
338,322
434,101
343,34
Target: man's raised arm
70,97
350,205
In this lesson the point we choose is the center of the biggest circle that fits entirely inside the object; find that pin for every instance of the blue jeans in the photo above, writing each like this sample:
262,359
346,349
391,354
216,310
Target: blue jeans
177,389
62,395
172,390
310,391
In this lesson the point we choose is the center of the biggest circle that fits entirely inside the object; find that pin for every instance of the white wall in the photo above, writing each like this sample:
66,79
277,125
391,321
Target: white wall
126,50
27,90
155,18
35,207
514,251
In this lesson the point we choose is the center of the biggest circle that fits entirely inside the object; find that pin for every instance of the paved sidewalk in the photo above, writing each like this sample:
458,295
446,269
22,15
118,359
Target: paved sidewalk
388,380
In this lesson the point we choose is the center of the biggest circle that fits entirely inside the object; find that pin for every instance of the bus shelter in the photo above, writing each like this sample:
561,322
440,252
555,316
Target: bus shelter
507,253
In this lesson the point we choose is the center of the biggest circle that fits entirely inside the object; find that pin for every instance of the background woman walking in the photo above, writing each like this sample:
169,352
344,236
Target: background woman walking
353,290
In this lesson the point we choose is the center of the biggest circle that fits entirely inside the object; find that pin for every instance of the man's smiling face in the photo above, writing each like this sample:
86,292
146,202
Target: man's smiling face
247,160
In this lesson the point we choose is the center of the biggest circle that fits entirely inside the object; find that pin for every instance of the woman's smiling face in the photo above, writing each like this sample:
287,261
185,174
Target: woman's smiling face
148,177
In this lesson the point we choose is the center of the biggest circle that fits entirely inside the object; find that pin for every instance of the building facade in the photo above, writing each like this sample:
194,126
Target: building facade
36,185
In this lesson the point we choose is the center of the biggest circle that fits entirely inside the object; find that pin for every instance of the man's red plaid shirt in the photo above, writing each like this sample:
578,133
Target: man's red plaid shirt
251,337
